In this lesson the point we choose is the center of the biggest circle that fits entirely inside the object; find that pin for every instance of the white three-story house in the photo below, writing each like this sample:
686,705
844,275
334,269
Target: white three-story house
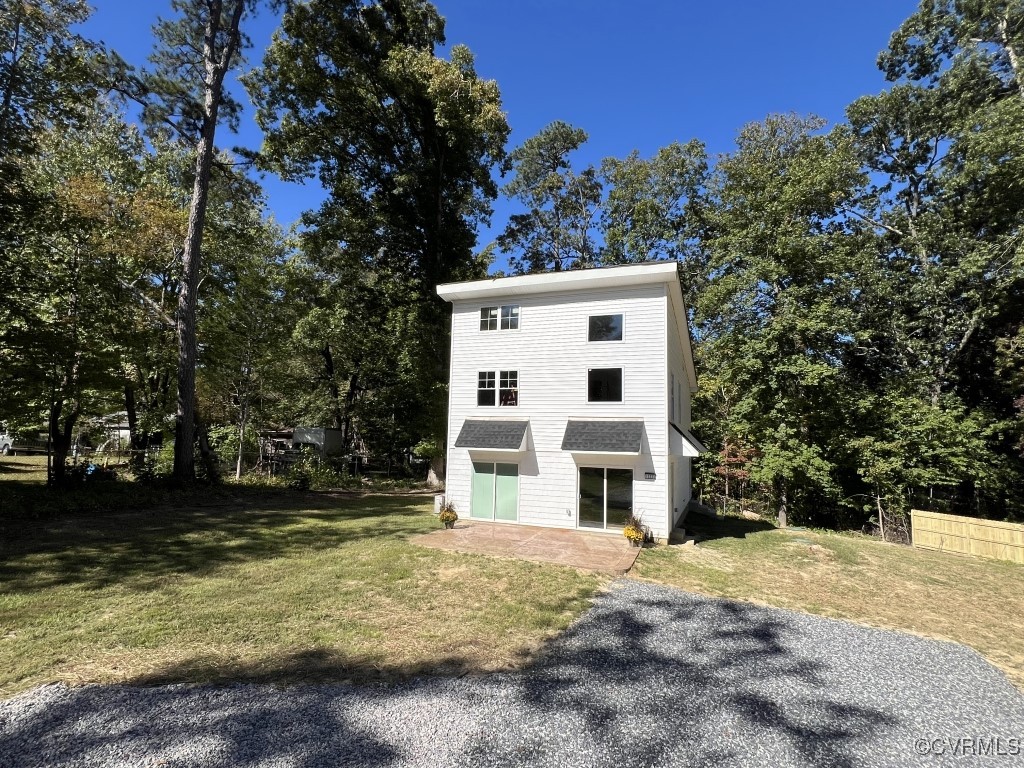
569,398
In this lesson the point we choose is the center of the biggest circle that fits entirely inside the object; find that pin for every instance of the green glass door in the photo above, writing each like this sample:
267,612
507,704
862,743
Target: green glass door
506,491
482,503
606,497
495,491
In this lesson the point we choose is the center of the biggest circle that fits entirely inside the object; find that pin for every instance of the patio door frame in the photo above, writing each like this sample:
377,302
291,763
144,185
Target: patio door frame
604,496
494,464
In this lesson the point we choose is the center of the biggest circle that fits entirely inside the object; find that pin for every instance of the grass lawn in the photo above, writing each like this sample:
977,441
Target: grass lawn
23,469
973,601
283,589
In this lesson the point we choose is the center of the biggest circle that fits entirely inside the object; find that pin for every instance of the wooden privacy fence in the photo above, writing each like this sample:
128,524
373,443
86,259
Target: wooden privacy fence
968,535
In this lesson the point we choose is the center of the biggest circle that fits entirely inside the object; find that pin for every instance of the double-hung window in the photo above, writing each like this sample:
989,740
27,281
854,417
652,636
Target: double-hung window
499,388
508,388
505,317
485,390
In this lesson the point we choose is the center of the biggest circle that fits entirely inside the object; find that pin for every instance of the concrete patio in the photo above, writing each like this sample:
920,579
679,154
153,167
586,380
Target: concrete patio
603,552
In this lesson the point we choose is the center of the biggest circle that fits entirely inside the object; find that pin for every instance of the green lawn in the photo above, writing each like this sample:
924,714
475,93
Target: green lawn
23,469
973,601
314,588
271,587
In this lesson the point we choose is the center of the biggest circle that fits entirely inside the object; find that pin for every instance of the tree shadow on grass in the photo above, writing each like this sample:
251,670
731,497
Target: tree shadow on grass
651,676
312,666
709,528
139,549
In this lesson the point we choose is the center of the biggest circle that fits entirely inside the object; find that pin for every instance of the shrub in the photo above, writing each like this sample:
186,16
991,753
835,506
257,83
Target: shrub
448,513
634,529
309,472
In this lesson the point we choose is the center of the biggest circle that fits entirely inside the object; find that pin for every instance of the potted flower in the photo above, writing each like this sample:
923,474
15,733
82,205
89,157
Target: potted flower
634,530
448,515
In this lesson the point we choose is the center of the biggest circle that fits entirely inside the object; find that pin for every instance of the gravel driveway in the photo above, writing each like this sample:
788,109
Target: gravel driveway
650,676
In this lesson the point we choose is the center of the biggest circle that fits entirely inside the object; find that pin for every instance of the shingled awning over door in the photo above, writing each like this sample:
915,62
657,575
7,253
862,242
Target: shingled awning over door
493,434
609,436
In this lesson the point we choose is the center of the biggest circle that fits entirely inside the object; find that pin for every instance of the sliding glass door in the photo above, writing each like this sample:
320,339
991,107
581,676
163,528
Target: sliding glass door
606,497
495,491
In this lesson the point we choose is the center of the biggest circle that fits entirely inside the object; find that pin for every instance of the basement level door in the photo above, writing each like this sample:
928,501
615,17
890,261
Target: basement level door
606,497
495,492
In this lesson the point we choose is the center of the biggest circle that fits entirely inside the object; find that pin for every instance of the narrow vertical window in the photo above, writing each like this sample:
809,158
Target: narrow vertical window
488,318
508,389
485,390
672,396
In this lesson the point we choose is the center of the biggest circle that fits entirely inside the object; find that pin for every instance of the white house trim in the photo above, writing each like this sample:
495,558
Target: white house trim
552,353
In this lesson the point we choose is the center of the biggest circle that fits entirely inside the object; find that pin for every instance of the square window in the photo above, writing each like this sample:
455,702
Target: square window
488,318
485,390
508,390
605,328
510,317
604,385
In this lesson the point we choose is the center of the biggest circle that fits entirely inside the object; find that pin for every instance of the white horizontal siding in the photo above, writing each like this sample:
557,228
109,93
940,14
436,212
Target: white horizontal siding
551,353
683,490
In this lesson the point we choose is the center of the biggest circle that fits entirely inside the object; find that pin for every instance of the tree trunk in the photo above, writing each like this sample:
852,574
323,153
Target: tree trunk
210,461
12,77
332,386
347,433
783,508
60,438
1011,53
136,440
241,439
436,470
217,64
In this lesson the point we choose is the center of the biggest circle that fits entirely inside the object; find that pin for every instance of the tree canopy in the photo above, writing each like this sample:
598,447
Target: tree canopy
855,291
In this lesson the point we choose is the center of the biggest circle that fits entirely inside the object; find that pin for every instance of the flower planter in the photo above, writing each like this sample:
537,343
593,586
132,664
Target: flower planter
449,524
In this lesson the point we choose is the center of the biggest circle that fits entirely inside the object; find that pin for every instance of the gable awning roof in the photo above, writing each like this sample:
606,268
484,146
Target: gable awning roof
683,443
606,436
497,435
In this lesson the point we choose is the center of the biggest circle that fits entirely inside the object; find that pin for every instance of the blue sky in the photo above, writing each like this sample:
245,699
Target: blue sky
634,75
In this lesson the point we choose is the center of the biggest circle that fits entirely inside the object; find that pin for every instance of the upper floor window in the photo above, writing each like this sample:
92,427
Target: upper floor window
508,388
506,317
497,388
510,317
605,328
604,385
485,390
488,318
